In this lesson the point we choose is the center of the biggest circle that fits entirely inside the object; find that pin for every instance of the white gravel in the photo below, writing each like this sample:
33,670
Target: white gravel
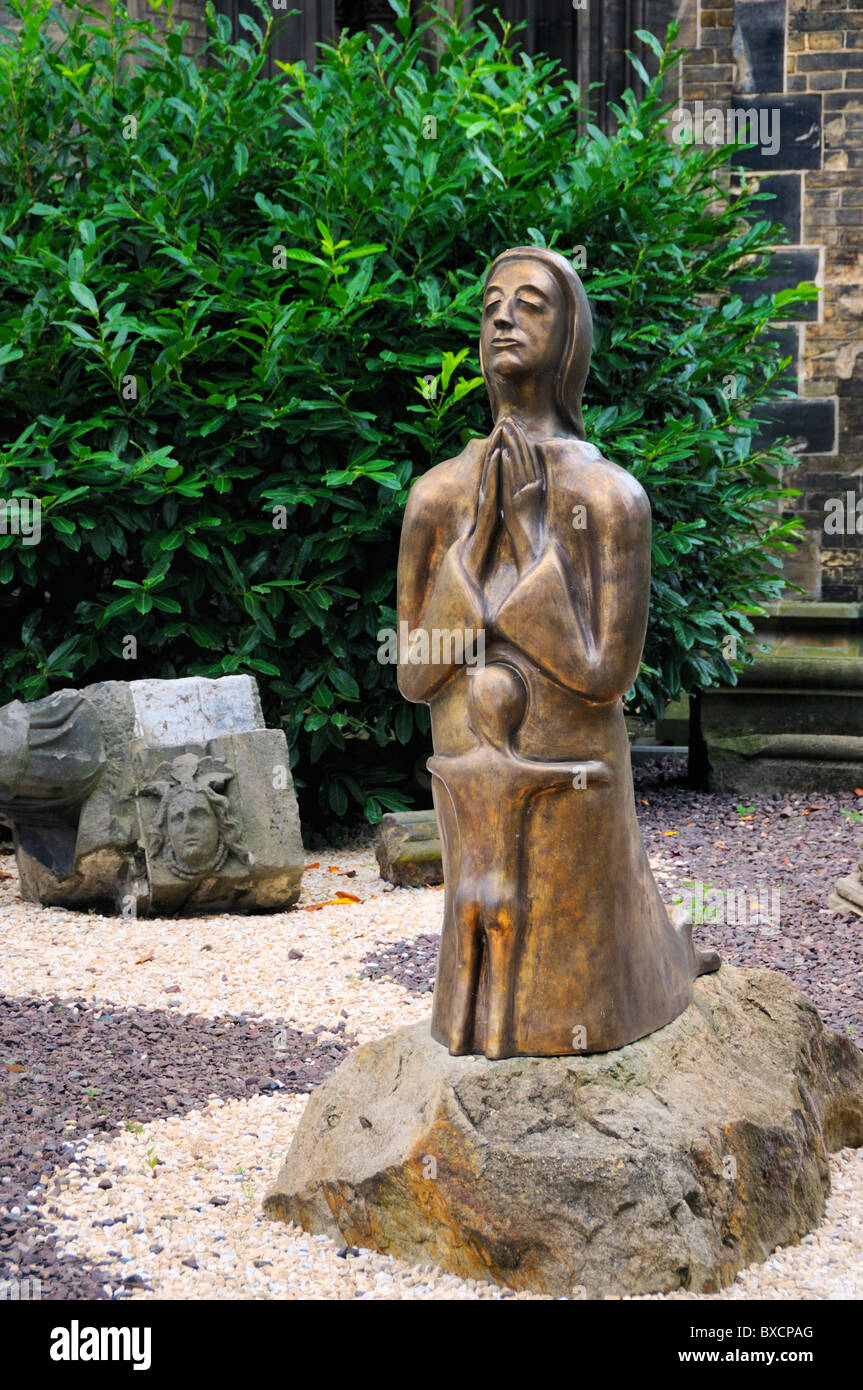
234,1149
229,964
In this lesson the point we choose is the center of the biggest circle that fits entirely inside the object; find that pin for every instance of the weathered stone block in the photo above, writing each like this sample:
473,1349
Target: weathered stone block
759,44
151,797
788,268
799,126
408,848
847,896
811,423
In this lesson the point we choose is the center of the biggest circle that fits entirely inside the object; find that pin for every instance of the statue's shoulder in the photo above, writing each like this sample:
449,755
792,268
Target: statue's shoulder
447,481
579,466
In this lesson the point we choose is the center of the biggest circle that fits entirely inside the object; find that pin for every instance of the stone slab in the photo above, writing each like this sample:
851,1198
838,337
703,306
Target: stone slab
129,754
734,774
194,709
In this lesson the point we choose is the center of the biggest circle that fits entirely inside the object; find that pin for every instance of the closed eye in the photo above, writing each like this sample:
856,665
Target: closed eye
493,305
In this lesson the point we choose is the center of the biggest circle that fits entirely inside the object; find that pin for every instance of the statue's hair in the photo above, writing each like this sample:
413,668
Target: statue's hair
575,359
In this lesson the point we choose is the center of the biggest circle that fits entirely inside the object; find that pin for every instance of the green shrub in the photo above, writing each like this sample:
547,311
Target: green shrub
219,298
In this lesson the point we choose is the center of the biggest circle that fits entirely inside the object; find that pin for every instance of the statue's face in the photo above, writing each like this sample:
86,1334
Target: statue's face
193,829
523,320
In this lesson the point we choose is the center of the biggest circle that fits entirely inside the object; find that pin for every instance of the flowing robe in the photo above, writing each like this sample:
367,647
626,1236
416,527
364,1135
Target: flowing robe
599,962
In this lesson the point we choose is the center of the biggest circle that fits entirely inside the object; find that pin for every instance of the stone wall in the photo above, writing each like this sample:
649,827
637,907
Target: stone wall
191,11
801,62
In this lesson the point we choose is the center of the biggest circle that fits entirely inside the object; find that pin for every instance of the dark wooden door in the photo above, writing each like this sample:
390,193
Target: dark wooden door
589,42
363,14
552,28
296,36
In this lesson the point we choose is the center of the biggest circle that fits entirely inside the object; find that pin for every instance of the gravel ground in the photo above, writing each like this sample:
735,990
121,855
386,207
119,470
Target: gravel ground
794,845
152,1073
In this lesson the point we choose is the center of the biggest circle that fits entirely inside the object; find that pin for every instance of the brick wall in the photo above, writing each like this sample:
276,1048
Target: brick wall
804,60
184,11
825,57
190,10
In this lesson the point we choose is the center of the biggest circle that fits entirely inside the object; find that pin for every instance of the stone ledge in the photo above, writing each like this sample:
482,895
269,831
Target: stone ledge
731,773
831,747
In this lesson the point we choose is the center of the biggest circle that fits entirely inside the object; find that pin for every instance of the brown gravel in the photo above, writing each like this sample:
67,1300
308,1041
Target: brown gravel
798,845
72,1069
412,964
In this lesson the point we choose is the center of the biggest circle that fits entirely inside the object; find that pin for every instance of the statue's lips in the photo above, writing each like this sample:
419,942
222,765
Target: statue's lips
506,342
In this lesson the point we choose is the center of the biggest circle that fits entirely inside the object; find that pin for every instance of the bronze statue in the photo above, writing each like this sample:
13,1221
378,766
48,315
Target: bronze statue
555,938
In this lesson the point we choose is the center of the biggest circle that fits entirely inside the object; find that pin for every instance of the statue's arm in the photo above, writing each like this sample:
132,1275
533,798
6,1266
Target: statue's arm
540,775
435,592
588,633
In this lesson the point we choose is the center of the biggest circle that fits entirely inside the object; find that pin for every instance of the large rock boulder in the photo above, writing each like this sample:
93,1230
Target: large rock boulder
667,1164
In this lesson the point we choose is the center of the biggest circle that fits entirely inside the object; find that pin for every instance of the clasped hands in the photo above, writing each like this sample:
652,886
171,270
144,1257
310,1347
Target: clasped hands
512,488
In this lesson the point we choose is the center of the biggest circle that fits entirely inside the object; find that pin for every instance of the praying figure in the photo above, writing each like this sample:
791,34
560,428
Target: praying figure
555,937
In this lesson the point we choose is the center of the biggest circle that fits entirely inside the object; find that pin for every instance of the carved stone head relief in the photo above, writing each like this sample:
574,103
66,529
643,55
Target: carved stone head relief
194,830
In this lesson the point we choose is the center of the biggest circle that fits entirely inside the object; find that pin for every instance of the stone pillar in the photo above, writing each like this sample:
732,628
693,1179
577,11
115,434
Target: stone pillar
799,63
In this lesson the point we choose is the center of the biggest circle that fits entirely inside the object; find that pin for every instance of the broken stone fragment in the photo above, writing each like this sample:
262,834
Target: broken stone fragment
151,797
847,895
408,849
